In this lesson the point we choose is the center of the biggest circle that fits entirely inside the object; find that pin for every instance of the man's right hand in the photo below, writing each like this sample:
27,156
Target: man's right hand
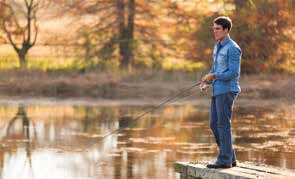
208,78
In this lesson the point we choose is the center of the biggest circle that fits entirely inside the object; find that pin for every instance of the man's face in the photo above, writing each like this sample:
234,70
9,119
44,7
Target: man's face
219,32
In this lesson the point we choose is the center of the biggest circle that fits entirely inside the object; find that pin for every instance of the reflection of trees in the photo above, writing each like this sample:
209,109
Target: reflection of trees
1,160
20,115
124,122
25,136
87,119
97,120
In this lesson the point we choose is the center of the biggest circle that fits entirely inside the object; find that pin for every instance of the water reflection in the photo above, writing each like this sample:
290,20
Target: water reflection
62,141
18,131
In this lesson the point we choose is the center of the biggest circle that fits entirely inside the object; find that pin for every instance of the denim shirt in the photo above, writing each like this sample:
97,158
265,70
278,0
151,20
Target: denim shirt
226,63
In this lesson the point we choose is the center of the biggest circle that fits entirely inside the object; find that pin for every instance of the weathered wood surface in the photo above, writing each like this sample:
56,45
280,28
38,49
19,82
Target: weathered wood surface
190,170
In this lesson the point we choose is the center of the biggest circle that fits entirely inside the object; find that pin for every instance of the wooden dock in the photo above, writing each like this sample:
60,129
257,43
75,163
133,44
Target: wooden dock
191,170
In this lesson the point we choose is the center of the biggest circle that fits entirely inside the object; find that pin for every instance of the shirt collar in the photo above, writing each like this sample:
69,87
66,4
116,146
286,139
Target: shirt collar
225,41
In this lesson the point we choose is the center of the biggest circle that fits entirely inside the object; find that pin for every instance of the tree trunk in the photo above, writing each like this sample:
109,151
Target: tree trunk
22,58
130,30
124,49
120,8
126,32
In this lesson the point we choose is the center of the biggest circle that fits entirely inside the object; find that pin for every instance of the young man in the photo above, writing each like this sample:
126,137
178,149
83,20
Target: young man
224,76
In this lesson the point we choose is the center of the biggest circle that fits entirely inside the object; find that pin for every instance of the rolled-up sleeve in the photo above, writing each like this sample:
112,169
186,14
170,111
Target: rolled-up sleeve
234,60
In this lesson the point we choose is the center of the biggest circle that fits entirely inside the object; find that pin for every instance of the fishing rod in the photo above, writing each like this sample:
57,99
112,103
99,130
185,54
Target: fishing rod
169,99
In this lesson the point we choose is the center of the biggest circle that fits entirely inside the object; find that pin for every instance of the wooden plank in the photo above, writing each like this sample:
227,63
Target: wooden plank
268,169
201,171
242,171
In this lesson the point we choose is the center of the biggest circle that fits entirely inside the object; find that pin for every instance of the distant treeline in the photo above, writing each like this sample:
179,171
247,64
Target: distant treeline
142,33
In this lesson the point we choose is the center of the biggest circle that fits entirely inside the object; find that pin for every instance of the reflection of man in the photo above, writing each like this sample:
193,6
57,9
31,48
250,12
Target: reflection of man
224,76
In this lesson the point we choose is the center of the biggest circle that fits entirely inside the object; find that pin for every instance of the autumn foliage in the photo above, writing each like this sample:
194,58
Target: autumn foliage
152,34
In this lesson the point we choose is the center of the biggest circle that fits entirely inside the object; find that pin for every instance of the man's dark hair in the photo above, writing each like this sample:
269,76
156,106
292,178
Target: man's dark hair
224,21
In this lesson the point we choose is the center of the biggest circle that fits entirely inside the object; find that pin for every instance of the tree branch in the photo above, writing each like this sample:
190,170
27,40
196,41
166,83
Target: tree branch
10,38
36,33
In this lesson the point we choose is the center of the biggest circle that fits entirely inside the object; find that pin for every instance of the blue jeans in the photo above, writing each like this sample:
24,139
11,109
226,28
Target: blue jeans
220,124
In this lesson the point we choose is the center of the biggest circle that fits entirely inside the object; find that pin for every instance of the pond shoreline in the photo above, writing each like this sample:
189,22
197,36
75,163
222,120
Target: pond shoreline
146,87
205,102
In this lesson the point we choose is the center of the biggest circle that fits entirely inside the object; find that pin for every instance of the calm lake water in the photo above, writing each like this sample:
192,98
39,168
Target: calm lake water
64,141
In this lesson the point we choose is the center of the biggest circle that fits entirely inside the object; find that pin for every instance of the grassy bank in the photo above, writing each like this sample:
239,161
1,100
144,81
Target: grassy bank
120,84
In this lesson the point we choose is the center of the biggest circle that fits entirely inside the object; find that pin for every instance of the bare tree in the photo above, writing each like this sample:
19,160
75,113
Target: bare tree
19,24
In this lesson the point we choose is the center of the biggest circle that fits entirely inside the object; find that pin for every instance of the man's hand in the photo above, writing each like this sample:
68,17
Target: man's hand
204,87
208,78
